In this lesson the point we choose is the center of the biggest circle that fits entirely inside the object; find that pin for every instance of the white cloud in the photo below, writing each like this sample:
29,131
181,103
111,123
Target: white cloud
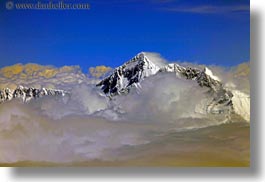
209,9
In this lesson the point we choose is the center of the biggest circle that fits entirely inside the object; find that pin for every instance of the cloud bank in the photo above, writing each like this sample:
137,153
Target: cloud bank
87,125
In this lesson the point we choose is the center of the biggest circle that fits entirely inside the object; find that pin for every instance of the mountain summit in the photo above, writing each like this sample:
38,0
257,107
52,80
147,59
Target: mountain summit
128,75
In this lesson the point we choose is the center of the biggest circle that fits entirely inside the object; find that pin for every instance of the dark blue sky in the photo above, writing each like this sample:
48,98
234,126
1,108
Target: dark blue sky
111,32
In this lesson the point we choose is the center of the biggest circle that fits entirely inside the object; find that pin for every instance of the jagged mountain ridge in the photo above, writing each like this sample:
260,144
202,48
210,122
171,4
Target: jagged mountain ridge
133,72
26,94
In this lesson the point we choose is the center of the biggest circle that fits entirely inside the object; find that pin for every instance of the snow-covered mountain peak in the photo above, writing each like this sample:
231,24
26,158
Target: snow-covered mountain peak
131,73
134,71
142,62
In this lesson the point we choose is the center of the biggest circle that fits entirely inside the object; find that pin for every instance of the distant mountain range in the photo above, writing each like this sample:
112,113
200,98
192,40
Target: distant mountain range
131,74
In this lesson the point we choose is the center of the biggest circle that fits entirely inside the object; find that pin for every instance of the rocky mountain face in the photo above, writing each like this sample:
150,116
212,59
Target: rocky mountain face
26,94
140,67
129,74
